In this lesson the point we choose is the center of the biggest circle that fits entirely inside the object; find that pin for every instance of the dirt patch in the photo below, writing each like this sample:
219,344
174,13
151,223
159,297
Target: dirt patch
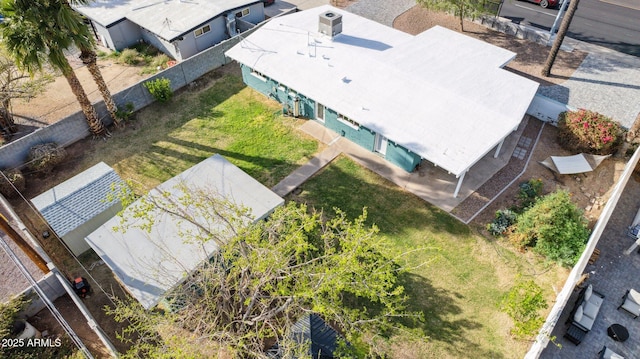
57,101
530,56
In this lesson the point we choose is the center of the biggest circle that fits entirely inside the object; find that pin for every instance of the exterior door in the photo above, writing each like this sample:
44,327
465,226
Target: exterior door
381,144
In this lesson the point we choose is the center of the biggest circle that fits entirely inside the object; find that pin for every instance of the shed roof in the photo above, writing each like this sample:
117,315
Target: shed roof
151,264
168,19
73,202
440,94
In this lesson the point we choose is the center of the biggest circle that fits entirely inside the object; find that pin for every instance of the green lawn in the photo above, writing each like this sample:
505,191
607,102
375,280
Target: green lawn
463,276
226,118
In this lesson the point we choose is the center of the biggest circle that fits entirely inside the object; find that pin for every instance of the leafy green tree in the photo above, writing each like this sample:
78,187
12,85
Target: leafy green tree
460,8
523,303
263,278
38,32
554,227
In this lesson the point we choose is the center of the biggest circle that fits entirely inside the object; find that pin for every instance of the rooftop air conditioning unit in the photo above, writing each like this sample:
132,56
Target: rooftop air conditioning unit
330,23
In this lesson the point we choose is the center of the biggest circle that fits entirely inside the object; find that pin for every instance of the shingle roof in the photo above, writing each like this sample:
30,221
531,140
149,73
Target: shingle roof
75,201
323,338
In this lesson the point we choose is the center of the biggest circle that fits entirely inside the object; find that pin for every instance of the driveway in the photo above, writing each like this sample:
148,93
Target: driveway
382,11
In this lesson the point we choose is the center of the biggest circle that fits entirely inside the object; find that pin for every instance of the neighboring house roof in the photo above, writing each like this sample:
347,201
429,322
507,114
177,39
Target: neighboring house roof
311,328
440,94
151,264
168,19
73,202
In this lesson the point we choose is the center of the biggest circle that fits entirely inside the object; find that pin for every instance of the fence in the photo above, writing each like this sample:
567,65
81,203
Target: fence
74,128
51,286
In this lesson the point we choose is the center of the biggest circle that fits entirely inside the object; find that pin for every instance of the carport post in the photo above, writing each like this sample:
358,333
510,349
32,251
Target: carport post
498,149
460,178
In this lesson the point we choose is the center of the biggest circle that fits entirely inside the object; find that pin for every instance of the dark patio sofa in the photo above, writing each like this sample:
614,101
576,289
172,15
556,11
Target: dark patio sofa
584,314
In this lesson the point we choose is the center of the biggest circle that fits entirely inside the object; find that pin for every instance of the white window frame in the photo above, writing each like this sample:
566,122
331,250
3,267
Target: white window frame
320,114
242,13
203,30
258,75
349,122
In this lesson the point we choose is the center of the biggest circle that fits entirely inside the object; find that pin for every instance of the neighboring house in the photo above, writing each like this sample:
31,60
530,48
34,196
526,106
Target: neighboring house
79,205
439,96
312,331
179,28
151,263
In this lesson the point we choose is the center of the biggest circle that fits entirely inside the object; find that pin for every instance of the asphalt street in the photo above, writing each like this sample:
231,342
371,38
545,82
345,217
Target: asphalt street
610,23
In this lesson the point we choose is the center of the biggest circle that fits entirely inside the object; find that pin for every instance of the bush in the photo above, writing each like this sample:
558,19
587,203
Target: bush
504,219
589,132
16,179
125,112
43,157
529,192
522,303
160,89
554,227
130,57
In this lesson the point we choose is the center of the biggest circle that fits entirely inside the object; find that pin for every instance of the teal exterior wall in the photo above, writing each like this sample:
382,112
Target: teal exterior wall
362,136
402,157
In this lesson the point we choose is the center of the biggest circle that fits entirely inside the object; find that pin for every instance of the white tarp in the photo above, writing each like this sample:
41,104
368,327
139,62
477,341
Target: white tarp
579,163
151,264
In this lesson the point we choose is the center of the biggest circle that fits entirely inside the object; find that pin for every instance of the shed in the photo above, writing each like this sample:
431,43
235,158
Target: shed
151,264
79,205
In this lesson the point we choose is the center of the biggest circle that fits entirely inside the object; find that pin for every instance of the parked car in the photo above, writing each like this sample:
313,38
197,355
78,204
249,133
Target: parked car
268,2
546,3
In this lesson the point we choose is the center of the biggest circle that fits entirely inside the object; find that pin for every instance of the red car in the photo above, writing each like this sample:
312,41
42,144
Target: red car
547,3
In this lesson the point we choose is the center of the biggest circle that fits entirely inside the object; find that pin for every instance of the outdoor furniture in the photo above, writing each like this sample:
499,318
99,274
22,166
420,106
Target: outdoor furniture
631,303
607,353
584,314
618,332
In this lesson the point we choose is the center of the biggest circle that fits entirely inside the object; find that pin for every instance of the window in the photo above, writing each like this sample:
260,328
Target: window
243,12
203,30
349,122
258,75
319,112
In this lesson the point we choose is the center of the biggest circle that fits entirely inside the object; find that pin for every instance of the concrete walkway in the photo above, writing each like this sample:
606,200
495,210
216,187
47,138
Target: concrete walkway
428,182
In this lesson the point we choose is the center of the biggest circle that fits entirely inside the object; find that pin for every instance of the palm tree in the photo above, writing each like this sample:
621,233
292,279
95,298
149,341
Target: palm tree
564,27
33,36
84,41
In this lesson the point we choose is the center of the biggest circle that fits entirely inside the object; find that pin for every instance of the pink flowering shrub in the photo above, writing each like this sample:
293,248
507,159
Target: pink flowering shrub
588,132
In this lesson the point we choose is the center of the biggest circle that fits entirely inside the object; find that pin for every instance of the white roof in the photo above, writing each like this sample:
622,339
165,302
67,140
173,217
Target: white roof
151,264
73,202
441,94
168,19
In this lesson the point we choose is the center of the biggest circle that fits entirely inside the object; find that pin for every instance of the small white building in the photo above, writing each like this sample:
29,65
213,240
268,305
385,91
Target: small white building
78,206
150,264
179,28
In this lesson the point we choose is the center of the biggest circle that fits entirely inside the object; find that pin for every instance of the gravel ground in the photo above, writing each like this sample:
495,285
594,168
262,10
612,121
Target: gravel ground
500,180
604,85
382,11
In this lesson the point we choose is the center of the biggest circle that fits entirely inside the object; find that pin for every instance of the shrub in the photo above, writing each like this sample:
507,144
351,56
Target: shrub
130,57
43,157
554,227
589,132
15,179
529,192
504,219
522,303
160,89
125,112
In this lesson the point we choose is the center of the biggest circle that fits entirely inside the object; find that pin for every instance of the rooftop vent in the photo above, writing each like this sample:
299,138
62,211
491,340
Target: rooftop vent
330,23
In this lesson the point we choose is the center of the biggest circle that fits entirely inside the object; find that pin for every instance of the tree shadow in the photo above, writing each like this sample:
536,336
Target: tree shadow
438,305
